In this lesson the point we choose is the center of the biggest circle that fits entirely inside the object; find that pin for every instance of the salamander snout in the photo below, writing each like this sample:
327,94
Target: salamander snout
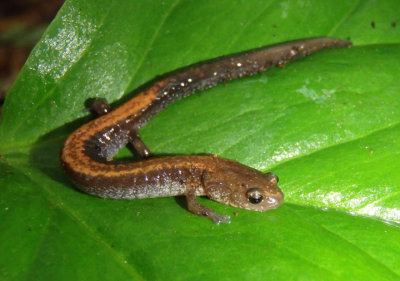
244,187
268,195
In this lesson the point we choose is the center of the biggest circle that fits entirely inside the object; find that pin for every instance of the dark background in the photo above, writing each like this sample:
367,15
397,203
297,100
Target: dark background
22,23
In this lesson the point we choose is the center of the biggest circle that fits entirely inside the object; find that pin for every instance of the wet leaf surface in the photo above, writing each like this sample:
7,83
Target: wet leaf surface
327,124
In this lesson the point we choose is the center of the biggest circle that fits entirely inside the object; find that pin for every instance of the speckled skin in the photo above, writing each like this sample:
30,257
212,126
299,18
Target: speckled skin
87,153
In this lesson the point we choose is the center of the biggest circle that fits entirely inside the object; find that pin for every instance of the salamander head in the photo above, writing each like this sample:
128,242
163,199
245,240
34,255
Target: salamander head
242,187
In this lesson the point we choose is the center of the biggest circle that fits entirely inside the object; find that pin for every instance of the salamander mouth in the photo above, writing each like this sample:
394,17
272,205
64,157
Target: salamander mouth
272,202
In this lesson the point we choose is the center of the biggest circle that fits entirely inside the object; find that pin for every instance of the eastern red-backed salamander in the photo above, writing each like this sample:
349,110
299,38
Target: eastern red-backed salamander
87,156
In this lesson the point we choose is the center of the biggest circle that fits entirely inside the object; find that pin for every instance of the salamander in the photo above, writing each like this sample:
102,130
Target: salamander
87,155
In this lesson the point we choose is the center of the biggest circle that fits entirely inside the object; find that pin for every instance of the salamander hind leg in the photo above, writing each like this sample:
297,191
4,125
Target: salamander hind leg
138,144
200,210
98,106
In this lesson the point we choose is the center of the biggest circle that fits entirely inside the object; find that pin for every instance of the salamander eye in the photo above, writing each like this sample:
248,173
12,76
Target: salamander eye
272,177
254,195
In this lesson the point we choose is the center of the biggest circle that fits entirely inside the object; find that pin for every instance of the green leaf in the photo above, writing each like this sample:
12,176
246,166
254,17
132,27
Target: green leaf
327,124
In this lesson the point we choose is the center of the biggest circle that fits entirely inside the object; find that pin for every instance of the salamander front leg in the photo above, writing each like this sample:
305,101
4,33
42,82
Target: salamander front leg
200,210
